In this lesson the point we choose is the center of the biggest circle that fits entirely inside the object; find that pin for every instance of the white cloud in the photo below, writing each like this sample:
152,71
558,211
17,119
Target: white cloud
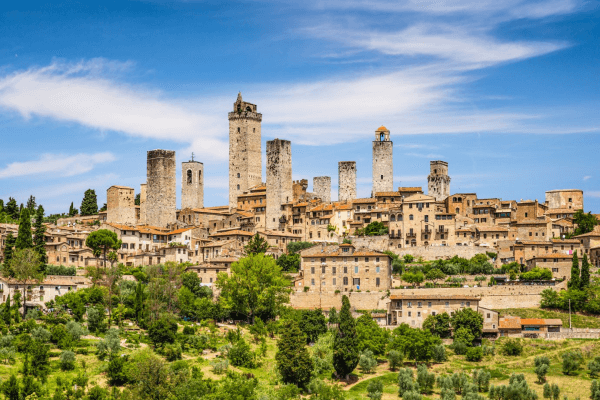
585,178
56,164
87,93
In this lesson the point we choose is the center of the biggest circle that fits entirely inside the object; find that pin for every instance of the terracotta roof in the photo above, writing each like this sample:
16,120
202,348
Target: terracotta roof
509,322
554,255
381,128
181,230
432,297
560,211
233,232
410,189
418,198
122,227
364,201
389,194
540,321
121,187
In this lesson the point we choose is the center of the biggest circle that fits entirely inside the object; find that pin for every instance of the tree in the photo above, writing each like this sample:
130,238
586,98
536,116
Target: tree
72,211
257,244
26,266
439,353
425,379
40,364
415,344
438,324
594,367
6,312
289,262
162,331
101,242
345,344
395,359
255,287
571,362
469,319
574,282
89,204
585,222
406,383
474,354
370,335
31,205
11,209
375,389
8,254
11,388
512,347
367,361
137,199
295,247
434,275
24,237
39,235
67,360
293,361
413,277
542,364
585,273
312,323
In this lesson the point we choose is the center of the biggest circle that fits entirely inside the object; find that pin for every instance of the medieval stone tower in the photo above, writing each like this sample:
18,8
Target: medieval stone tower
161,188
192,184
279,180
383,164
120,205
245,163
322,188
142,220
438,180
347,180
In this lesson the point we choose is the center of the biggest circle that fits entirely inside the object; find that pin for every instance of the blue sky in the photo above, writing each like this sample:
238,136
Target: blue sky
507,92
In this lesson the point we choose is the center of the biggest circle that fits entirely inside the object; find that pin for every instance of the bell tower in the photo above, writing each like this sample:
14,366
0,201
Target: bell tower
383,161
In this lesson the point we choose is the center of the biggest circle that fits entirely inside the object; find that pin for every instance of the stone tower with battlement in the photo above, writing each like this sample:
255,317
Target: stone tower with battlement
438,180
347,180
120,205
161,188
245,162
383,164
192,184
279,180
322,188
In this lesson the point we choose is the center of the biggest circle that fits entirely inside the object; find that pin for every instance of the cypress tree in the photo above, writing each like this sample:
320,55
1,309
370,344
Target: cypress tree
8,252
293,361
89,205
31,204
575,283
24,238
585,273
11,389
71,210
1,205
39,235
6,312
345,343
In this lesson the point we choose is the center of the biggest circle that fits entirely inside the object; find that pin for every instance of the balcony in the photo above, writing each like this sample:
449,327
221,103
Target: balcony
411,234
396,235
441,231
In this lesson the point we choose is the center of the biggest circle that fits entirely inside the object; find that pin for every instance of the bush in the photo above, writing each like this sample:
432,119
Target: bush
425,379
219,366
512,347
173,352
366,361
96,321
481,378
162,331
240,355
67,360
111,345
406,383
594,367
542,364
439,353
571,362
412,395
395,359
474,354
76,330
459,347
41,335
375,389
188,330
116,372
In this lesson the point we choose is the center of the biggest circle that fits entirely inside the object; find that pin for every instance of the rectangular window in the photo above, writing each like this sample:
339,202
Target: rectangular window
333,270
356,269
345,270
447,304
366,259
312,282
334,282
429,304
418,313
323,270
377,270
356,281
419,304
312,270
410,314
409,304
377,282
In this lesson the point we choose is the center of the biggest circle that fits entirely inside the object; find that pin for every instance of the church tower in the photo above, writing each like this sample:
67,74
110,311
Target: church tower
245,162
383,164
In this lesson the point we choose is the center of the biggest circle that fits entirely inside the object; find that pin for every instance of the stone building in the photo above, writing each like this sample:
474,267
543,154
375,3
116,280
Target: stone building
120,205
322,188
570,199
383,164
438,180
347,180
279,180
161,188
192,184
245,156
413,309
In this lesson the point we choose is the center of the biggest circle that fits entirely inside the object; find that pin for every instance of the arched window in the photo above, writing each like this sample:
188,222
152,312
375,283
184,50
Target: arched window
410,217
392,217
381,136
189,176
454,199
238,187
457,210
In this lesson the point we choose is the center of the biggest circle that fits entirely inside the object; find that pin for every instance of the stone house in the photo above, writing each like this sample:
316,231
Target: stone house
39,293
559,264
343,268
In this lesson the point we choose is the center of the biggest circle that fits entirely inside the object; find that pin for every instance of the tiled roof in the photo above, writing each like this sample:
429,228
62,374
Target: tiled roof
540,321
553,255
381,128
364,201
509,323
389,194
433,297
233,233
410,189
418,198
121,187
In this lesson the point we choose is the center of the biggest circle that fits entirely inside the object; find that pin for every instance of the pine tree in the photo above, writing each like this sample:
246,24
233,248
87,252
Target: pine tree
11,388
345,344
575,283
24,238
256,245
31,205
293,361
8,252
89,205
12,210
585,273
39,235
71,213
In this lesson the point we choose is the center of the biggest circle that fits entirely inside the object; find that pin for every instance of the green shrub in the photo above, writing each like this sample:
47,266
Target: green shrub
439,353
67,360
188,330
459,347
375,389
366,361
173,352
240,355
474,354
512,347
571,362
395,359
219,366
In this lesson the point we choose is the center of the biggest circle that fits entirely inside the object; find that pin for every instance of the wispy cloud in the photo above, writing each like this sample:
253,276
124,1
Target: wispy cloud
585,178
56,164
90,94
595,194
421,155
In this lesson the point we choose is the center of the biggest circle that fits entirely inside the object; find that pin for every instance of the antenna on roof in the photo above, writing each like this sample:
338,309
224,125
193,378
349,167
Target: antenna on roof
192,156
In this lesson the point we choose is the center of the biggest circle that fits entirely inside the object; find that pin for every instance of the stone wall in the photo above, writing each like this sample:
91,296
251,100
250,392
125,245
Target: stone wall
377,243
245,154
322,188
383,166
438,180
279,180
347,180
192,184
142,220
161,190
430,253
495,297
120,205
560,199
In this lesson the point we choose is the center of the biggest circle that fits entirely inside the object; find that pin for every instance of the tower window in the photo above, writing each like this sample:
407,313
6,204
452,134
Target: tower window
253,130
238,187
238,130
199,175
189,176
381,176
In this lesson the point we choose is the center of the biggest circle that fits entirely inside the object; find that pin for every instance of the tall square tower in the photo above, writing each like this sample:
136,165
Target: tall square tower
383,161
192,184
